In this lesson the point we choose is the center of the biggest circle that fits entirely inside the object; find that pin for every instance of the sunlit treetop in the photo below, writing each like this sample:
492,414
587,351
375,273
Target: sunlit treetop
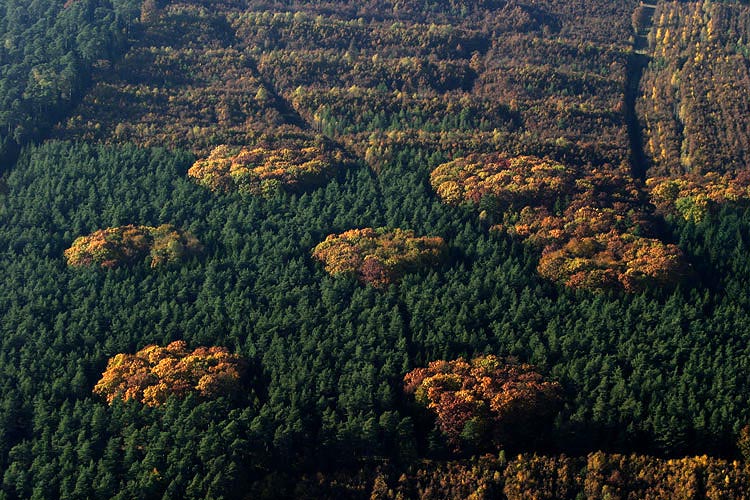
377,256
154,373
590,227
481,399
114,246
263,170
691,196
511,181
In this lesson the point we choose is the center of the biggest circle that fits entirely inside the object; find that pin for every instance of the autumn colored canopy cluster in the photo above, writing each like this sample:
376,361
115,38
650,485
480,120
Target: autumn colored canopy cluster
598,241
596,476
594,248
263,170
691,196
125,244
612,260
589,226
515,181
479,399
377,256
154,373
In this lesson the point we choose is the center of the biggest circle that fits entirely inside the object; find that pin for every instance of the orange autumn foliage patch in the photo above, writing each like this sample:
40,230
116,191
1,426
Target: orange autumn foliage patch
475,400
612,260
512,181
598,241
377,256
595,241
154,373
597,476
597,248
263,170
691,196
124,244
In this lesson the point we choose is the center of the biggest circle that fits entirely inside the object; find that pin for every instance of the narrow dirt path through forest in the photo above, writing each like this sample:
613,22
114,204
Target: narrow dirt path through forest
643,19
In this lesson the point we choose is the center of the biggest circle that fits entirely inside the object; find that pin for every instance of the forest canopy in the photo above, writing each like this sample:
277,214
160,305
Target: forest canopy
484,400
155,373
114,246
694,106
691,196
378,256
571,197
263,171
510,182
588,226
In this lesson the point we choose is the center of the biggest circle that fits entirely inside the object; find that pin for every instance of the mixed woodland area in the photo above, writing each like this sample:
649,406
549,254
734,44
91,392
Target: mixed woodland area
377,249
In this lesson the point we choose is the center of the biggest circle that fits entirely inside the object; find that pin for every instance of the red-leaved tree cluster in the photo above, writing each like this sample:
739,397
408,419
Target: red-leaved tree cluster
482,400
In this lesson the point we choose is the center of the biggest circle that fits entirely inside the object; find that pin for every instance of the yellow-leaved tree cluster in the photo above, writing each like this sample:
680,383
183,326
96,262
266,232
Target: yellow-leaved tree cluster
264,170
377,256
154,373
692,196
113,246
589,226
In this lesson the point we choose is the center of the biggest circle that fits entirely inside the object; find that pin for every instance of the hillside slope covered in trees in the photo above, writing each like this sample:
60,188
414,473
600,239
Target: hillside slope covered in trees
397,249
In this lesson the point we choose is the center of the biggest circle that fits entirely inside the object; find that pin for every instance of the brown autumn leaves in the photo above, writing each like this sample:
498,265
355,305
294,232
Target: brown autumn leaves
483,400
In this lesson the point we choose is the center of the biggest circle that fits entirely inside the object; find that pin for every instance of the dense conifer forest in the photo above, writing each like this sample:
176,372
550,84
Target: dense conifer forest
378,249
